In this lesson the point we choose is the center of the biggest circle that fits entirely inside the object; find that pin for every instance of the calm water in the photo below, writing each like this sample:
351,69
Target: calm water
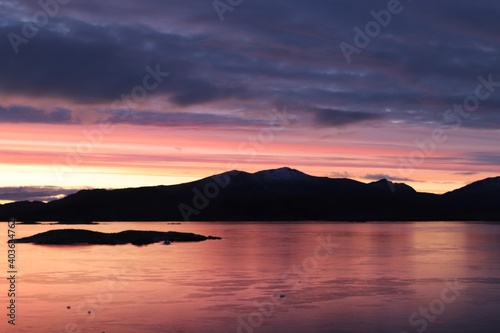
369,277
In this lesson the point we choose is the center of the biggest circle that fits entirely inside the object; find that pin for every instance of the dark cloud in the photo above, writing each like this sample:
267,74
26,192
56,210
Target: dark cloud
187,91
330,117
380,176
95,63
182,119
265,53
483,119
34,193
484,158
27,114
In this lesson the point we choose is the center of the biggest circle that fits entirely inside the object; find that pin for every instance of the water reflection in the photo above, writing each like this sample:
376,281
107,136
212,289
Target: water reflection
265,278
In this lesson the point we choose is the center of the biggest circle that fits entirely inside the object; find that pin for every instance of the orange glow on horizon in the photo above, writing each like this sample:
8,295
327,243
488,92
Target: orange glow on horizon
132,156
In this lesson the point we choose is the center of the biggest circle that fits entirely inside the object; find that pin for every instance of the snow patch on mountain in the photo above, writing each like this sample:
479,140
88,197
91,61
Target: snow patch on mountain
281,174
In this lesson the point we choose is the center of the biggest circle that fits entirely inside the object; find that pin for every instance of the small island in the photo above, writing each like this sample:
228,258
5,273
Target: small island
87,237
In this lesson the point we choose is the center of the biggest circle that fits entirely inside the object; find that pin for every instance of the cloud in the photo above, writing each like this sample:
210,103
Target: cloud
380,176
466,173
263,54
34,193
179,119
484,158
25,114
344,174
336,118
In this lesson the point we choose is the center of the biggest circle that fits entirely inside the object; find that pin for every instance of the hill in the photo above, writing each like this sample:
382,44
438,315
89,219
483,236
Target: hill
272,195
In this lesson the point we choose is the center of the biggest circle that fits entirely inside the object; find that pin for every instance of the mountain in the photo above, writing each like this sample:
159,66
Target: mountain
477,201
272,195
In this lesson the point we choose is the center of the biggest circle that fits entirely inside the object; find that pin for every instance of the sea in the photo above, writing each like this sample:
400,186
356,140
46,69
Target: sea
308,277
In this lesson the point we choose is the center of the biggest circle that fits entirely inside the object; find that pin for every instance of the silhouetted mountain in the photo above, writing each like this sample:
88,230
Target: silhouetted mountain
387,185
477,201
273,195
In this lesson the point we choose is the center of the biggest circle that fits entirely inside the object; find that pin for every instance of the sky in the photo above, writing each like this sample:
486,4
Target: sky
127,93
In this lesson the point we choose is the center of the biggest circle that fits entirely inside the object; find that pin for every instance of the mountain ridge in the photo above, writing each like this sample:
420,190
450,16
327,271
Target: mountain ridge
282,194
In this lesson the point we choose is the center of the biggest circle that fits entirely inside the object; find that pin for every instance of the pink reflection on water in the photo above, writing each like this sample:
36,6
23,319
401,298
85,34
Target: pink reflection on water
377,277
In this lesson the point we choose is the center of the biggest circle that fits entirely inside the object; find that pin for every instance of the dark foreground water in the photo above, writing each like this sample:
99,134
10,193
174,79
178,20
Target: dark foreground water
317,277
